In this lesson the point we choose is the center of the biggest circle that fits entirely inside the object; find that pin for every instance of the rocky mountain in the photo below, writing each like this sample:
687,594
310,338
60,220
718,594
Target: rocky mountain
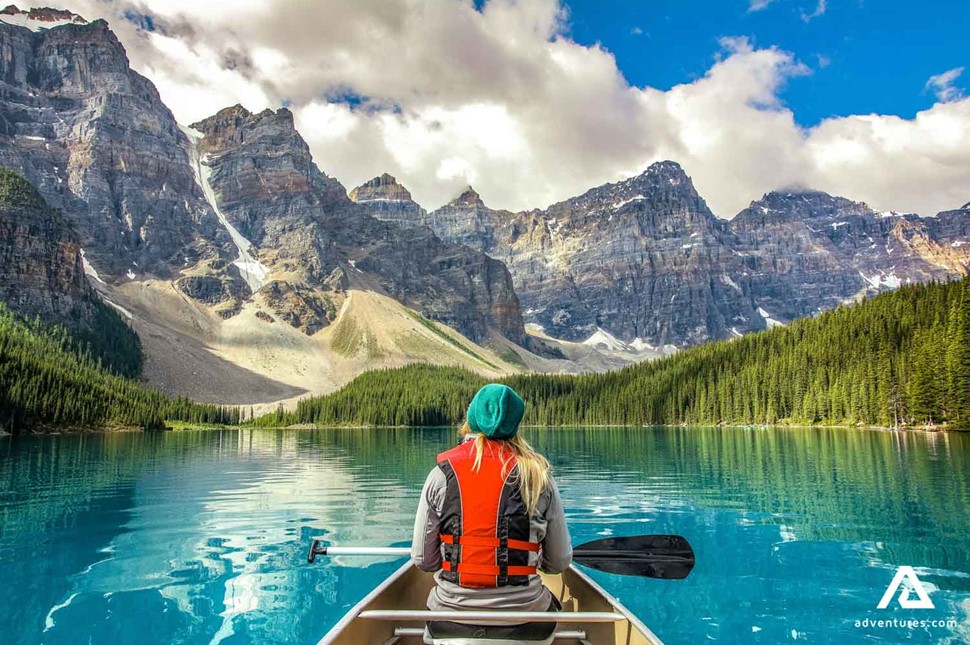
315,242
389,201
95,138
41,271
806,251
99,144
226,247
638,264
643,263
231,250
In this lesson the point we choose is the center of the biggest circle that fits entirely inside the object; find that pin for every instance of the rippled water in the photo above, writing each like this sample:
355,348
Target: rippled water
200,537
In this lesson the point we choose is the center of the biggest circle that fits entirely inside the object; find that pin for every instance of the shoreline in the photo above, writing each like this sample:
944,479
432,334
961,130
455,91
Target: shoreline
181,426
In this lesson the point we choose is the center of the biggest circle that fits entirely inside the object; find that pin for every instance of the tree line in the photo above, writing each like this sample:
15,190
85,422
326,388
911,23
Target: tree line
48,379
901,358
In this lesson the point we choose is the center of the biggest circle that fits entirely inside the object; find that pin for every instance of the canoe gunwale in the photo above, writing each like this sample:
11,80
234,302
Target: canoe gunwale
617,605
485,617
354,613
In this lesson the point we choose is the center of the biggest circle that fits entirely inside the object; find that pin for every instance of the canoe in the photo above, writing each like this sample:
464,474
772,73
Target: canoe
394,613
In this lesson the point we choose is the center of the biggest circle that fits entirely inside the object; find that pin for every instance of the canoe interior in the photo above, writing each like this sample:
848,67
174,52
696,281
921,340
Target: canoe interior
408,588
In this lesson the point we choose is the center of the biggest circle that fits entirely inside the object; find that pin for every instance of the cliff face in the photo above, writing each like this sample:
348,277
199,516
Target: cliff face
646,261
807,251
42,274
41,269
98,143
643,259
309,232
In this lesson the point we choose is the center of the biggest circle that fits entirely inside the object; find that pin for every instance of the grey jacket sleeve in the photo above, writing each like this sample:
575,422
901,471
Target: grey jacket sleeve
425,544
557,547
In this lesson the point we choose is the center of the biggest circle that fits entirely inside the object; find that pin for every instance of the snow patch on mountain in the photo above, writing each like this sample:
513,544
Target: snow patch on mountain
251,269
88,269
603,337
882,280
771,322
621,204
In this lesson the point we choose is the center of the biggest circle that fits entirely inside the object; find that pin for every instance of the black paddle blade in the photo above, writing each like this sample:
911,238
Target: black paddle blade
668,557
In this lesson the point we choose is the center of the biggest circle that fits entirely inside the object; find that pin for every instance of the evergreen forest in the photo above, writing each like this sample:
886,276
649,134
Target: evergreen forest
50,379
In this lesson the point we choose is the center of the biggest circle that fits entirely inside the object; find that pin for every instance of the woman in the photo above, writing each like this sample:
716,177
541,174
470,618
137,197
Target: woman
489,518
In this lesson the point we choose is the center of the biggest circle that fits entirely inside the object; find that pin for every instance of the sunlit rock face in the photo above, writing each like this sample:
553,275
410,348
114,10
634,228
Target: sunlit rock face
641,258
644,263
807,251
389,201
98,143
271,191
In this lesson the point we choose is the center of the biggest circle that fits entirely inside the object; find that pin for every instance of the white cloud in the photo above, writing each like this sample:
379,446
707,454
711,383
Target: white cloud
440,95
758,5
942,85
820,8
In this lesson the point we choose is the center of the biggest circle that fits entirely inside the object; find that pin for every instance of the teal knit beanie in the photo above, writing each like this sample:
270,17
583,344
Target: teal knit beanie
495,411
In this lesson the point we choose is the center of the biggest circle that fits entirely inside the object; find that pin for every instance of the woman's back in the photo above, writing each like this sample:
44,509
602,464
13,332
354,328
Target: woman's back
490,515
474,528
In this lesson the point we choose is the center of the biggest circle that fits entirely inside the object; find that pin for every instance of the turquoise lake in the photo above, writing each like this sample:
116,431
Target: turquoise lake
201,537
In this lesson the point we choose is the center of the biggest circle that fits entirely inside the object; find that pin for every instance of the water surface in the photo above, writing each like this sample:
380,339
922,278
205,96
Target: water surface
200,537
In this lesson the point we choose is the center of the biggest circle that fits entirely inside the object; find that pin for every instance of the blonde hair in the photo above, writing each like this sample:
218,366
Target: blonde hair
533,472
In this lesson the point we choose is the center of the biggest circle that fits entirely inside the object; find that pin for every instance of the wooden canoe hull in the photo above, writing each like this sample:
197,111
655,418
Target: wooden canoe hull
408,588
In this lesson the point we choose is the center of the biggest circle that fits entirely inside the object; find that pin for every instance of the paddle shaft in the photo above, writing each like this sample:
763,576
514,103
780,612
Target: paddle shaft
359,550
652,556
395,551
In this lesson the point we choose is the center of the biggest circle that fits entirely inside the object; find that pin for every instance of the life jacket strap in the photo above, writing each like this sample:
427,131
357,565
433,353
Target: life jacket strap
489,569
520,545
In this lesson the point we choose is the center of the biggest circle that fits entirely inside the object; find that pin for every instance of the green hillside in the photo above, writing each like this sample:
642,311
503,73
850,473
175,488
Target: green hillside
901,358
48,380
96,328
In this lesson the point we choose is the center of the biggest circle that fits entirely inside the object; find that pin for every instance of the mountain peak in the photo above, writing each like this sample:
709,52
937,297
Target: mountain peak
806,204
381,188
233,114
468,197
384,179
665,166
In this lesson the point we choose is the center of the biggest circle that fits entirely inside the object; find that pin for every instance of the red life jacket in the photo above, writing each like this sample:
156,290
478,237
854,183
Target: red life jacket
484,521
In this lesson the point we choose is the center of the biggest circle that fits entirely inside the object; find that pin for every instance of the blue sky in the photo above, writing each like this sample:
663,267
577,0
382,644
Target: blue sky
866,56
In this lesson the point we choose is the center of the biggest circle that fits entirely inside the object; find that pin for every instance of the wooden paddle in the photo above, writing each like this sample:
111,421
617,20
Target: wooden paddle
668,557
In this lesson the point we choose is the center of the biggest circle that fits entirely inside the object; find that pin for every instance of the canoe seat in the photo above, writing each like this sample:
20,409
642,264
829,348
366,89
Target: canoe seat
450,633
